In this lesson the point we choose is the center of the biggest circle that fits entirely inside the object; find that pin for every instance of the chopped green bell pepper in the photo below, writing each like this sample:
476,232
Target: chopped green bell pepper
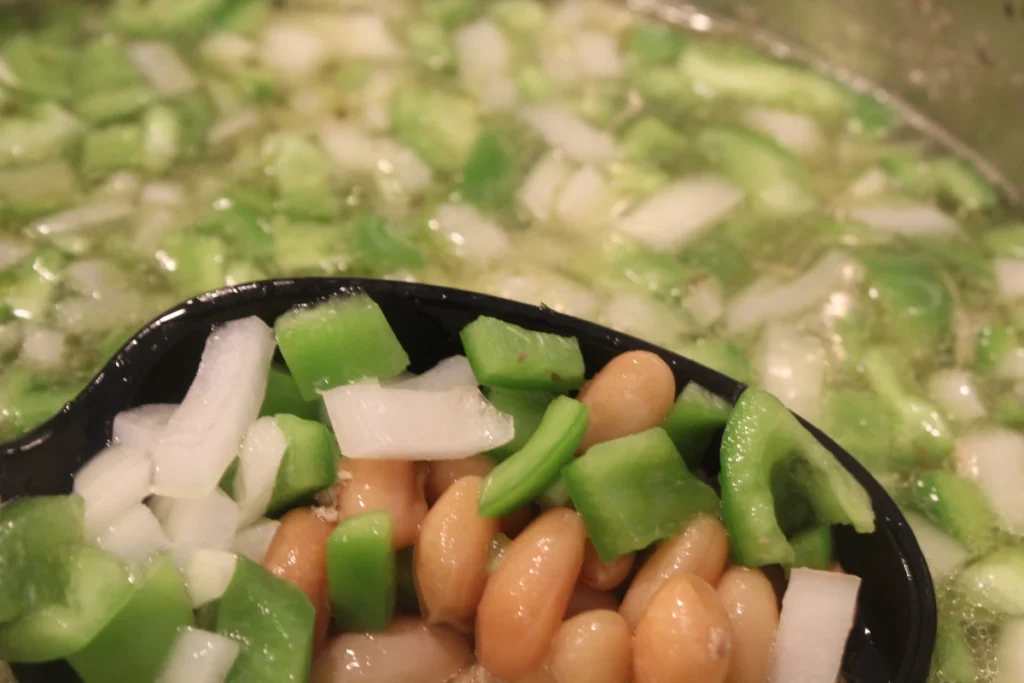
635,491
283,396
762,434
991,346
489,179
954,660
36,537
135,644
338,341
303,175
440,127
648,139
273,621
163,18
957,506
1006,241
380,244
861,424
813,548
722,356
526,408
308,465
696,418
361,571
655,42
508,356
110,105
531,470
917,304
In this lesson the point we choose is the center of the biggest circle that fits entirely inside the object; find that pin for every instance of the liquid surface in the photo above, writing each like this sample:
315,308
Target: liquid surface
755,216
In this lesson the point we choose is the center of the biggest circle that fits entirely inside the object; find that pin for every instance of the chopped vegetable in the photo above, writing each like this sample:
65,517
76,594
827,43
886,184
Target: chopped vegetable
696,418
994,582
361,571
511,357
813,548
527,408
957,506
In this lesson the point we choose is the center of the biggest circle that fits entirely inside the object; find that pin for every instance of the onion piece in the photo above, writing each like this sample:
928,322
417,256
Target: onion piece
577,138
474,237
1010,652
705,300
253,541
375,422
88,216
681,212
911,220
644,317
12,252
955,392
942,553
7,76
135,535
294,51
450,373
1012,365
260,456
819,607
598,54
356,35
200,657
483,51
994,458
1010,277
209,522
140,427
792,366
762,301
163,68
207,574
585,202
393,160
233,126
202,436
42,348
799,133
111,482
542,184
547,289
869,184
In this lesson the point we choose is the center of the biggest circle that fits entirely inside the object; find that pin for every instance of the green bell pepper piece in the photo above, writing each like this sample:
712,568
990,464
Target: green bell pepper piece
406,599
527,473
136,642
522,18
163,18
273,621
1006,241
40,69
440,127
44,134
303,176
957,506
919,431
915,300
36,536
114,148
104,65
338,341
648,139
953,661
526,408
308,465
98,587
380,244
283,396
635,491
489,179
430,45
857,422
722,356
109,105
696,418
813,548
991,345
762,434
1008,410
30,191
508,356
361,571
199,263
652,43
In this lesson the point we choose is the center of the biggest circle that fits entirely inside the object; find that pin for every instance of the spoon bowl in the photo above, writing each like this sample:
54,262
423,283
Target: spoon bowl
893,638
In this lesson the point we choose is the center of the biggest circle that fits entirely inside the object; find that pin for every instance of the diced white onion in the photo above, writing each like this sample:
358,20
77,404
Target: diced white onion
563,129
112,481
163,193
88,216
207,574
955,392
871,183
202,436
375,422
598,54
253,541
705,300
1012,364
762,302
473,237
542,184
482,50
42,348
357,35
561,63
911,220
819,607
80,314
792,366
262,450
1010,277
234,126
398,162
585,201
994,458
140,427
450,373
375,101
10,337
349,147
209,522
200,657
95,278
556,292
163,68
799,133
228,49
681,212
12,252
293,51
135,535
644,317
942,553
1010,652
7,76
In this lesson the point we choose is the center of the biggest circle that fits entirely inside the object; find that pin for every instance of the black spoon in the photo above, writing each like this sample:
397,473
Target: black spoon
892,641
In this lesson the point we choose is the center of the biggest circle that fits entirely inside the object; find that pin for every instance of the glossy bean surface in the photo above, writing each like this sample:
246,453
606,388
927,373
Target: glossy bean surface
527,595
443,473
392,485
749,600
594,647
601,575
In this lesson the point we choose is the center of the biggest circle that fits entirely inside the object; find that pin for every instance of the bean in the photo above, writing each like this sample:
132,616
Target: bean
684,635
514,522
392,485
749,600
585,599
633,392
475,674
298,553
601,575
410,651
701,550
450,558
594,647
443,473
526,596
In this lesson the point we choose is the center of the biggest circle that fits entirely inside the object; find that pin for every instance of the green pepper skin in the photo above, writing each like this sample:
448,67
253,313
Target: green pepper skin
813,547
526,408
697,416
162,18
361,571
762,434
